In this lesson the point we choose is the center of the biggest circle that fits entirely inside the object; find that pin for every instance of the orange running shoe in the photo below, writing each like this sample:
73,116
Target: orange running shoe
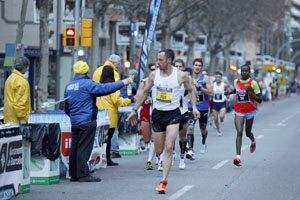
161,187
252,147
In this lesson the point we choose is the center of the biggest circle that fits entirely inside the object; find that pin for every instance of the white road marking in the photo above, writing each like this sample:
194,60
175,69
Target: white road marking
181,192
270,129
282,122
223,162
220,164
259,137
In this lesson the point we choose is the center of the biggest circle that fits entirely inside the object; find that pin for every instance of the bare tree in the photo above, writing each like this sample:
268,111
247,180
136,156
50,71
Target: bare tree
225,22
99,8
222,25
192,18
172,17
42,86
20,28
270,23
135,11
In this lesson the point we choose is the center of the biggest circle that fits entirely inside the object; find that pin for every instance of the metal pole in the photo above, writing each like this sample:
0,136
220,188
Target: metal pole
133,29
58,46
77,12
295,56
284,45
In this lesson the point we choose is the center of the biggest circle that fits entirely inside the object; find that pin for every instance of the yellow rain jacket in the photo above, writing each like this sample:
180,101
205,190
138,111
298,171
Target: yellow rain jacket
98,72
273,87
17,104
111,103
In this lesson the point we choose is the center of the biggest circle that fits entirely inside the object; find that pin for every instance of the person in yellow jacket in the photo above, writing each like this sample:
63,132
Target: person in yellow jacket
111,103
114,61
273,86
17,104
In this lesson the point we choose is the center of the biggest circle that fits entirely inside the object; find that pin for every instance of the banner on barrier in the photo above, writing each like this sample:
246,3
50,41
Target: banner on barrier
11,155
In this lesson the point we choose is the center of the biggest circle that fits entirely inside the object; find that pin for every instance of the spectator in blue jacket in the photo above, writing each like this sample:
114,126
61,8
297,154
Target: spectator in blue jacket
80,106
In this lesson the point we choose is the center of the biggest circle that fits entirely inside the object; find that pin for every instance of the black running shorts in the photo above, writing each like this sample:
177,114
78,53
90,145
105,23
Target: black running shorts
184,119
218,105
161,119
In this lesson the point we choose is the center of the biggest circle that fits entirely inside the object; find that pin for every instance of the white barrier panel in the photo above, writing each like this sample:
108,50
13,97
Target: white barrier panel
11,154
128,142
44,171
25,185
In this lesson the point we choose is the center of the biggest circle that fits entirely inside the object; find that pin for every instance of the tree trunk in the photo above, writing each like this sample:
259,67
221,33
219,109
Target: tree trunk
213,63
132,41
226,62
99,8
42,87
20,29
190,52
191,39
165,38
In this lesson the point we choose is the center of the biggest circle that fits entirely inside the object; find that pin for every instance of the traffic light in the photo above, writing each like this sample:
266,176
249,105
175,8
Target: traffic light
69,38
86,32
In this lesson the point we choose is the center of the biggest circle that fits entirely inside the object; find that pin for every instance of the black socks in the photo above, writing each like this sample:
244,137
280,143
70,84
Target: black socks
190,141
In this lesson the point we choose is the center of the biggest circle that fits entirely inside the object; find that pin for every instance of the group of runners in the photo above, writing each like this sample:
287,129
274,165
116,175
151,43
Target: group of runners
173,98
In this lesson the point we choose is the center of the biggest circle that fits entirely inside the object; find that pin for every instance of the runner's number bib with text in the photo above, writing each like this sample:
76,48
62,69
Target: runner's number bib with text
164,94
218,96
243,97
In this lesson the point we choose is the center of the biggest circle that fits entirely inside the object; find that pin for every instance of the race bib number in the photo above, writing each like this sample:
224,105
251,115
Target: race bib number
218,96
164,94
243,97
200,98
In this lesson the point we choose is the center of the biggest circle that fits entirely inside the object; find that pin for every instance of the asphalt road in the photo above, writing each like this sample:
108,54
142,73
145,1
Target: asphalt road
272,172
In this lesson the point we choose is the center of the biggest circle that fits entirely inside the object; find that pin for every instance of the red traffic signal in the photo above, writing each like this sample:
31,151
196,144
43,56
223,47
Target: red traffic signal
70,32
69,37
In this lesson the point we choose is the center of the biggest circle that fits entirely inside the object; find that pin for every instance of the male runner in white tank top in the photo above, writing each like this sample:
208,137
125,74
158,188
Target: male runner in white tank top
219,100
179,64
166,82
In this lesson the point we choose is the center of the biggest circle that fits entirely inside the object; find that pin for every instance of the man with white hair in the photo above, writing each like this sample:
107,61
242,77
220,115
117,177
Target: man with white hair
114,61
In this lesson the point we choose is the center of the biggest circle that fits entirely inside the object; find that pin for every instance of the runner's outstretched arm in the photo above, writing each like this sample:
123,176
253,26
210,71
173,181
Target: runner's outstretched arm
139,99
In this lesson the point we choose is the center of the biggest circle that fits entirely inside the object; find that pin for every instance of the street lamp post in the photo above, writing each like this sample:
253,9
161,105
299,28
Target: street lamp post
58,46
133,28
77,17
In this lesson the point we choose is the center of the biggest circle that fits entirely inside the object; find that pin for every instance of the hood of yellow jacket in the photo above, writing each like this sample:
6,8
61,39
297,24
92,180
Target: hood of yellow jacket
110,64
